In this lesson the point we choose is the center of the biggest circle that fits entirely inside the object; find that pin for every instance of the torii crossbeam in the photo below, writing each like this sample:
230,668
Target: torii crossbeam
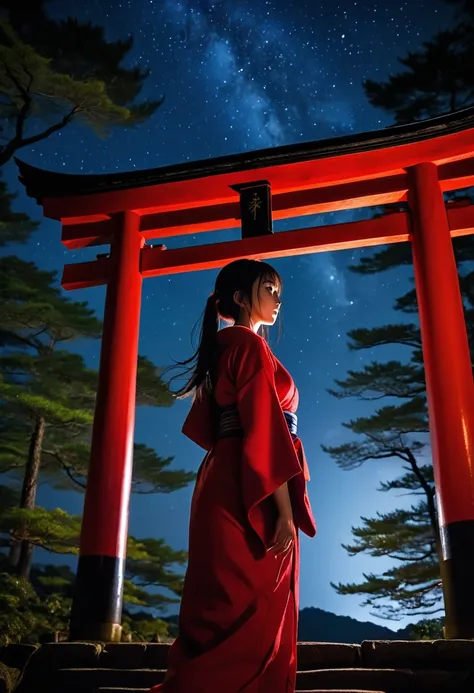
414,163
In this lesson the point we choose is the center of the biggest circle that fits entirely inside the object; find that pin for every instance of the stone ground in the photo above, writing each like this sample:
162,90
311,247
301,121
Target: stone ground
440,666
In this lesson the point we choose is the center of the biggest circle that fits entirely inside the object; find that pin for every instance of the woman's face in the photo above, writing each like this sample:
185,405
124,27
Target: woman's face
266,302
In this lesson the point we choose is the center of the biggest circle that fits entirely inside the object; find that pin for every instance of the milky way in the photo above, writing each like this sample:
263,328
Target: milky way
256,67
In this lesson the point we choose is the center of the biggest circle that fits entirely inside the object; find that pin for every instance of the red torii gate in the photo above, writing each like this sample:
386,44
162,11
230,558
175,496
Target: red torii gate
414,163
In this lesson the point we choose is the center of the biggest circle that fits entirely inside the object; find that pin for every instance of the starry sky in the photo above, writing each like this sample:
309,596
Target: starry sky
241,76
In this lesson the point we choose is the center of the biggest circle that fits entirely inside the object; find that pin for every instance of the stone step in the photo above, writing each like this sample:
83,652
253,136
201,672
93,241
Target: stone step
382,666
389,680
386,680
155,655
90,679
319,690
441,654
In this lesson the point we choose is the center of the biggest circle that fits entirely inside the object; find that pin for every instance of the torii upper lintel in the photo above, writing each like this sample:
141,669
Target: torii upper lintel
322,163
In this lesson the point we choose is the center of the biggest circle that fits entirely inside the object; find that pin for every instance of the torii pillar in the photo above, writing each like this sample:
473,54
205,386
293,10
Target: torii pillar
414,163
97,607
449,388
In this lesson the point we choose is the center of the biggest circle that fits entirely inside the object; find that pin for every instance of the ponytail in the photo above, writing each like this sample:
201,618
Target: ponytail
201,364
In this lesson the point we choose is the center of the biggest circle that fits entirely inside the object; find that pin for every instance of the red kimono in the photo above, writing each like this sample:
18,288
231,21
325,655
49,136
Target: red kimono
239,608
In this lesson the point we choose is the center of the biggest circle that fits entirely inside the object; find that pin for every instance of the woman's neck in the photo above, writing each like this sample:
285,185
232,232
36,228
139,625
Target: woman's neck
242,322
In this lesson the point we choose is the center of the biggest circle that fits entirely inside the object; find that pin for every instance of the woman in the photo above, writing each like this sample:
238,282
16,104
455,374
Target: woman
239,608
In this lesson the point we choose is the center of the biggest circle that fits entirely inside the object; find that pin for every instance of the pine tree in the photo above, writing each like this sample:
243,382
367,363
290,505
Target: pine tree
51,74
409,537
55,72
50,395
17,601
427,629
464,8
44,604
393,431
390,433
436,79
34,319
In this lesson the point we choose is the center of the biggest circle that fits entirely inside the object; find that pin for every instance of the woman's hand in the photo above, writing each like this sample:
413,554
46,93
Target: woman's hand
284,536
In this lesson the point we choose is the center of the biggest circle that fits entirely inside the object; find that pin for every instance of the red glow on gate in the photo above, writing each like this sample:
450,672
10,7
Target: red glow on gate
414,164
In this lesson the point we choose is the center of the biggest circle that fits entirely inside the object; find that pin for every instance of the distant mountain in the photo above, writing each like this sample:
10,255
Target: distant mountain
316,625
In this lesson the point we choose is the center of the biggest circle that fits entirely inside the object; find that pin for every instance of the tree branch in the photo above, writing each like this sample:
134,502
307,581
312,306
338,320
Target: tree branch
9,149
24,340
49,131
425,590
409,558
46,546
393,452
427,613
5,470
65,467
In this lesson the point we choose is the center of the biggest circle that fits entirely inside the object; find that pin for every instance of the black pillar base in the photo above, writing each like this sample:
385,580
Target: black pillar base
457,570
97,607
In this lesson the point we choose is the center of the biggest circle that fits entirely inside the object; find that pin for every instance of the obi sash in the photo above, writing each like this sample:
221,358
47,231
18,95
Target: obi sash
230,426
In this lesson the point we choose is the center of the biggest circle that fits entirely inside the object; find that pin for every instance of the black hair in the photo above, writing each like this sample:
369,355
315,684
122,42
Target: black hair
238,276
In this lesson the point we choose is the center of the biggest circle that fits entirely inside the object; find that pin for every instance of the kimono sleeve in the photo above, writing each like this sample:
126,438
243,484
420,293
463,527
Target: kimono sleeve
269,458
198,423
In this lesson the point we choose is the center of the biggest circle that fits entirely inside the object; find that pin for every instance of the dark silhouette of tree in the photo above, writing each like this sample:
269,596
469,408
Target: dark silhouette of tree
436,79
55,71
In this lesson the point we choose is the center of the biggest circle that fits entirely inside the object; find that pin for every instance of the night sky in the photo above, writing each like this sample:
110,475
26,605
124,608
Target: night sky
237,76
